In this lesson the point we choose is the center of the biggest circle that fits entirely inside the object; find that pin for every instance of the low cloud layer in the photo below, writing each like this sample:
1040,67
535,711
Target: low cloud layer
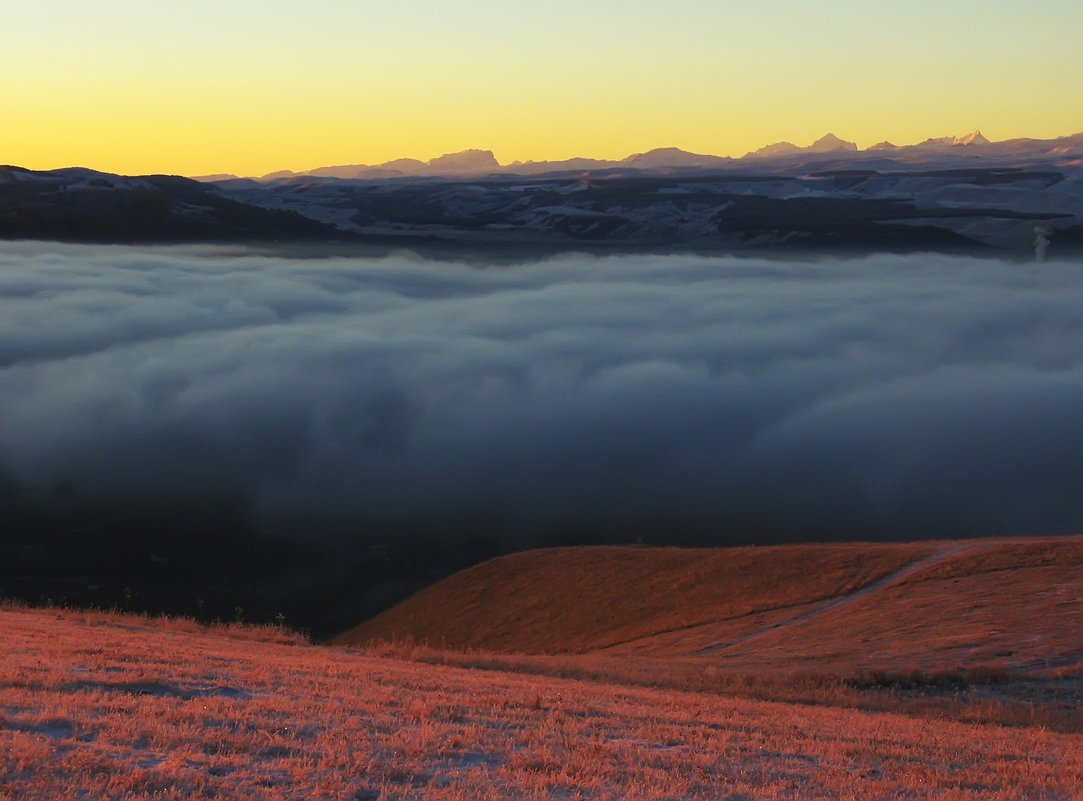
685,398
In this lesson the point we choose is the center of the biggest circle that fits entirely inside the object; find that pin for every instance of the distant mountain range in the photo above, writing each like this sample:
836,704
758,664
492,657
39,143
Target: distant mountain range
473,163
826,144
968,194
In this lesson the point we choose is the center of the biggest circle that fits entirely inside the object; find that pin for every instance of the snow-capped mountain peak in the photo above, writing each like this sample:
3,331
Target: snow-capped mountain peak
972,139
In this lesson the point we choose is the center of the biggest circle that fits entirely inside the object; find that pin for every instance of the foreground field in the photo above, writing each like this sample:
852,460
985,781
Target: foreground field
105,707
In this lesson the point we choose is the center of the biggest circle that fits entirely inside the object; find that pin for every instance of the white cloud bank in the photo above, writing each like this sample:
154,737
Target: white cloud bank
695,398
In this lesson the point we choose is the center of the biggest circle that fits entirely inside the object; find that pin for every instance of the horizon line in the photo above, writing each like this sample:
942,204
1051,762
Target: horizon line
845,146
747,154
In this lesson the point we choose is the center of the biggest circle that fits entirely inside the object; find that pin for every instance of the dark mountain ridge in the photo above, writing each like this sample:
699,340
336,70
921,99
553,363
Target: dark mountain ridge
951,194
82,205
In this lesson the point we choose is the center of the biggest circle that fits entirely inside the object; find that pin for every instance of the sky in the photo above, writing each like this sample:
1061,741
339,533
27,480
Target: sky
252,86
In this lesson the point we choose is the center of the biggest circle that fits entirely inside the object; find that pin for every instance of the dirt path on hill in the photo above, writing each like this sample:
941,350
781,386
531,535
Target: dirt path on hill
891,579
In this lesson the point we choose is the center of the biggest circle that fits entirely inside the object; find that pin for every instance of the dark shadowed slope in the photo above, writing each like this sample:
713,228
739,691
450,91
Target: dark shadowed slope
1013,603
835,206
81,205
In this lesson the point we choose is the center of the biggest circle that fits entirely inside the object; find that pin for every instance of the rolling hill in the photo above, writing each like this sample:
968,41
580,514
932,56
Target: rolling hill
82,205
1015,604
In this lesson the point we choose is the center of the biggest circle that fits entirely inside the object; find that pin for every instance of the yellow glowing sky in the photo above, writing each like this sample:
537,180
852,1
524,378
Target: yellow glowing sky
251,86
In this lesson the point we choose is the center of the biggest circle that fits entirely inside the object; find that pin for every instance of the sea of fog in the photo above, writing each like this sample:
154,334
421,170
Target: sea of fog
683,398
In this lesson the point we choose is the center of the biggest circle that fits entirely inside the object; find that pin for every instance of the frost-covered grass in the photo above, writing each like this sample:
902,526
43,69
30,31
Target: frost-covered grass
977,693
106,707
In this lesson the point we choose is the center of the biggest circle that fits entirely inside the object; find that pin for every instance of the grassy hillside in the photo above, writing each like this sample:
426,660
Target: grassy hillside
1015,604
582,599
121,708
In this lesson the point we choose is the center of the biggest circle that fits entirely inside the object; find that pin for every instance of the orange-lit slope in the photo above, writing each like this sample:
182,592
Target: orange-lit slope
1014,603
583,599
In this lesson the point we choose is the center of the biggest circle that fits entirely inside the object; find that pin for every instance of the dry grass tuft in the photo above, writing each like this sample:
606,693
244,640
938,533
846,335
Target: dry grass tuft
236,630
